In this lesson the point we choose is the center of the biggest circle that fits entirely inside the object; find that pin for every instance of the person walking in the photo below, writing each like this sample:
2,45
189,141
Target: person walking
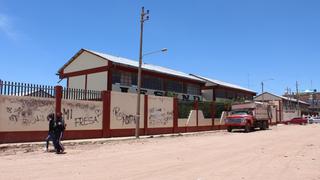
50,136
58,132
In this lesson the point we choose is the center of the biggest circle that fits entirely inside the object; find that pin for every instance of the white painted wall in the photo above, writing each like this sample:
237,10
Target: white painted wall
160,112
24,113
287,115
267,97
97,81
82,115
85,61
182,122
30,114
203,121
191,121
217,121
77,82
123,110
274,114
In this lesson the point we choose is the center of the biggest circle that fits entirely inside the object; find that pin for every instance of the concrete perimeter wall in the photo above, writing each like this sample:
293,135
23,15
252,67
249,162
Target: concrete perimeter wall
24,118
24,113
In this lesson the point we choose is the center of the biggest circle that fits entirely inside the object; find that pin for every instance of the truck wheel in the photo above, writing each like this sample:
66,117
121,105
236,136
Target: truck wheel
263,125
229,129
247,128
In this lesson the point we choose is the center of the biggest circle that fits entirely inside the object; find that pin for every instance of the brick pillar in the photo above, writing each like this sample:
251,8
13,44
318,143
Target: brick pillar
106,100
58,96
277,111
109,76
280,111
196,107
213,112
145,114
175,115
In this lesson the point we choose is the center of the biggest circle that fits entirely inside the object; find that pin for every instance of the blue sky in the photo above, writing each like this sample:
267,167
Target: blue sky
241,42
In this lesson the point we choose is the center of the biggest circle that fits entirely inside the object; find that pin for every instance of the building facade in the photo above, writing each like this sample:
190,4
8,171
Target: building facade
92,70
287,108
219,91
312,98
97,71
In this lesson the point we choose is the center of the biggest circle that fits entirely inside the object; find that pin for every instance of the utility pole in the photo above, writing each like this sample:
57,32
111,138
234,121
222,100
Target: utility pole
248,80
143,18
297,96
288,94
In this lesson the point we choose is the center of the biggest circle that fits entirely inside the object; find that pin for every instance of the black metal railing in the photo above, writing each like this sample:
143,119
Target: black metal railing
26,89
81,94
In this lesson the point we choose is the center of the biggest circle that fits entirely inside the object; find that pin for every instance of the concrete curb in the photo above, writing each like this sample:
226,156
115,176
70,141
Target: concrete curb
99,140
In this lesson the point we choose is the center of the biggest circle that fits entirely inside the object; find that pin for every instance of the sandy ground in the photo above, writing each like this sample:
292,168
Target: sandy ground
283,152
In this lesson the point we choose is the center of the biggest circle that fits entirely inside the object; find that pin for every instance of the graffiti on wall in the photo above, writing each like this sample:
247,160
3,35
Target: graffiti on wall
124,117
82,114
160,116
28,112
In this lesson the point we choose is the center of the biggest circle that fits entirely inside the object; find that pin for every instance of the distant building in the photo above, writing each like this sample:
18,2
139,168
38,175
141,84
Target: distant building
216,90
92,70
287,108
311,97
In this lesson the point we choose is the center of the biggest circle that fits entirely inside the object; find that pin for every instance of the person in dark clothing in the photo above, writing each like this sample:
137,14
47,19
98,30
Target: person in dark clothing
58,132
50,136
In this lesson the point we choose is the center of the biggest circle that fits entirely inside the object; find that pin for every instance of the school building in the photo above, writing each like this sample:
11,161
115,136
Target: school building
92,70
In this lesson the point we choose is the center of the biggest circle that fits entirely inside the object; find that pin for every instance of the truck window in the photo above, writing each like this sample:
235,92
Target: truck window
239,113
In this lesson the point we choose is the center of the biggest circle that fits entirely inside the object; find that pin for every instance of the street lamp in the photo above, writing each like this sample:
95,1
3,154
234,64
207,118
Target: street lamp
153,52
262,83
139,89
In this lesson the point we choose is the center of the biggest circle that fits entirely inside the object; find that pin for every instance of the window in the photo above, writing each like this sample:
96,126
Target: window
220,93
116,76
193,89
150,82
125,79
174,86
230,95
134,79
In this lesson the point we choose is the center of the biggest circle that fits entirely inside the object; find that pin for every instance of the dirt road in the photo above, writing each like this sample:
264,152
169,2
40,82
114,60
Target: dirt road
284,152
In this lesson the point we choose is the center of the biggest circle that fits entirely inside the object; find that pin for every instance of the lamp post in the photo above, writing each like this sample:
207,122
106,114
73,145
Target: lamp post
262,84
139,89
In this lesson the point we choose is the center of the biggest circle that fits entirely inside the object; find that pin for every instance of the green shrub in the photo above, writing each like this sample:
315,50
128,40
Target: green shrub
184,108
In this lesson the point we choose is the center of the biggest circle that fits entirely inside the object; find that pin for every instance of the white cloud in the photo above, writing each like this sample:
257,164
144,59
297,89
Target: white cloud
6,27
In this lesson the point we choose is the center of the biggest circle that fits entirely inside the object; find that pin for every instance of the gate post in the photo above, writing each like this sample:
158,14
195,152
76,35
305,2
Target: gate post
145,124
106,108
175,115
58,96
196,107
213,113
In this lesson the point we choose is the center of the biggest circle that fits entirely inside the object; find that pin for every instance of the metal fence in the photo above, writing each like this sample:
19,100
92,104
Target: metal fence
184,108
26,89
206,108
81,94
